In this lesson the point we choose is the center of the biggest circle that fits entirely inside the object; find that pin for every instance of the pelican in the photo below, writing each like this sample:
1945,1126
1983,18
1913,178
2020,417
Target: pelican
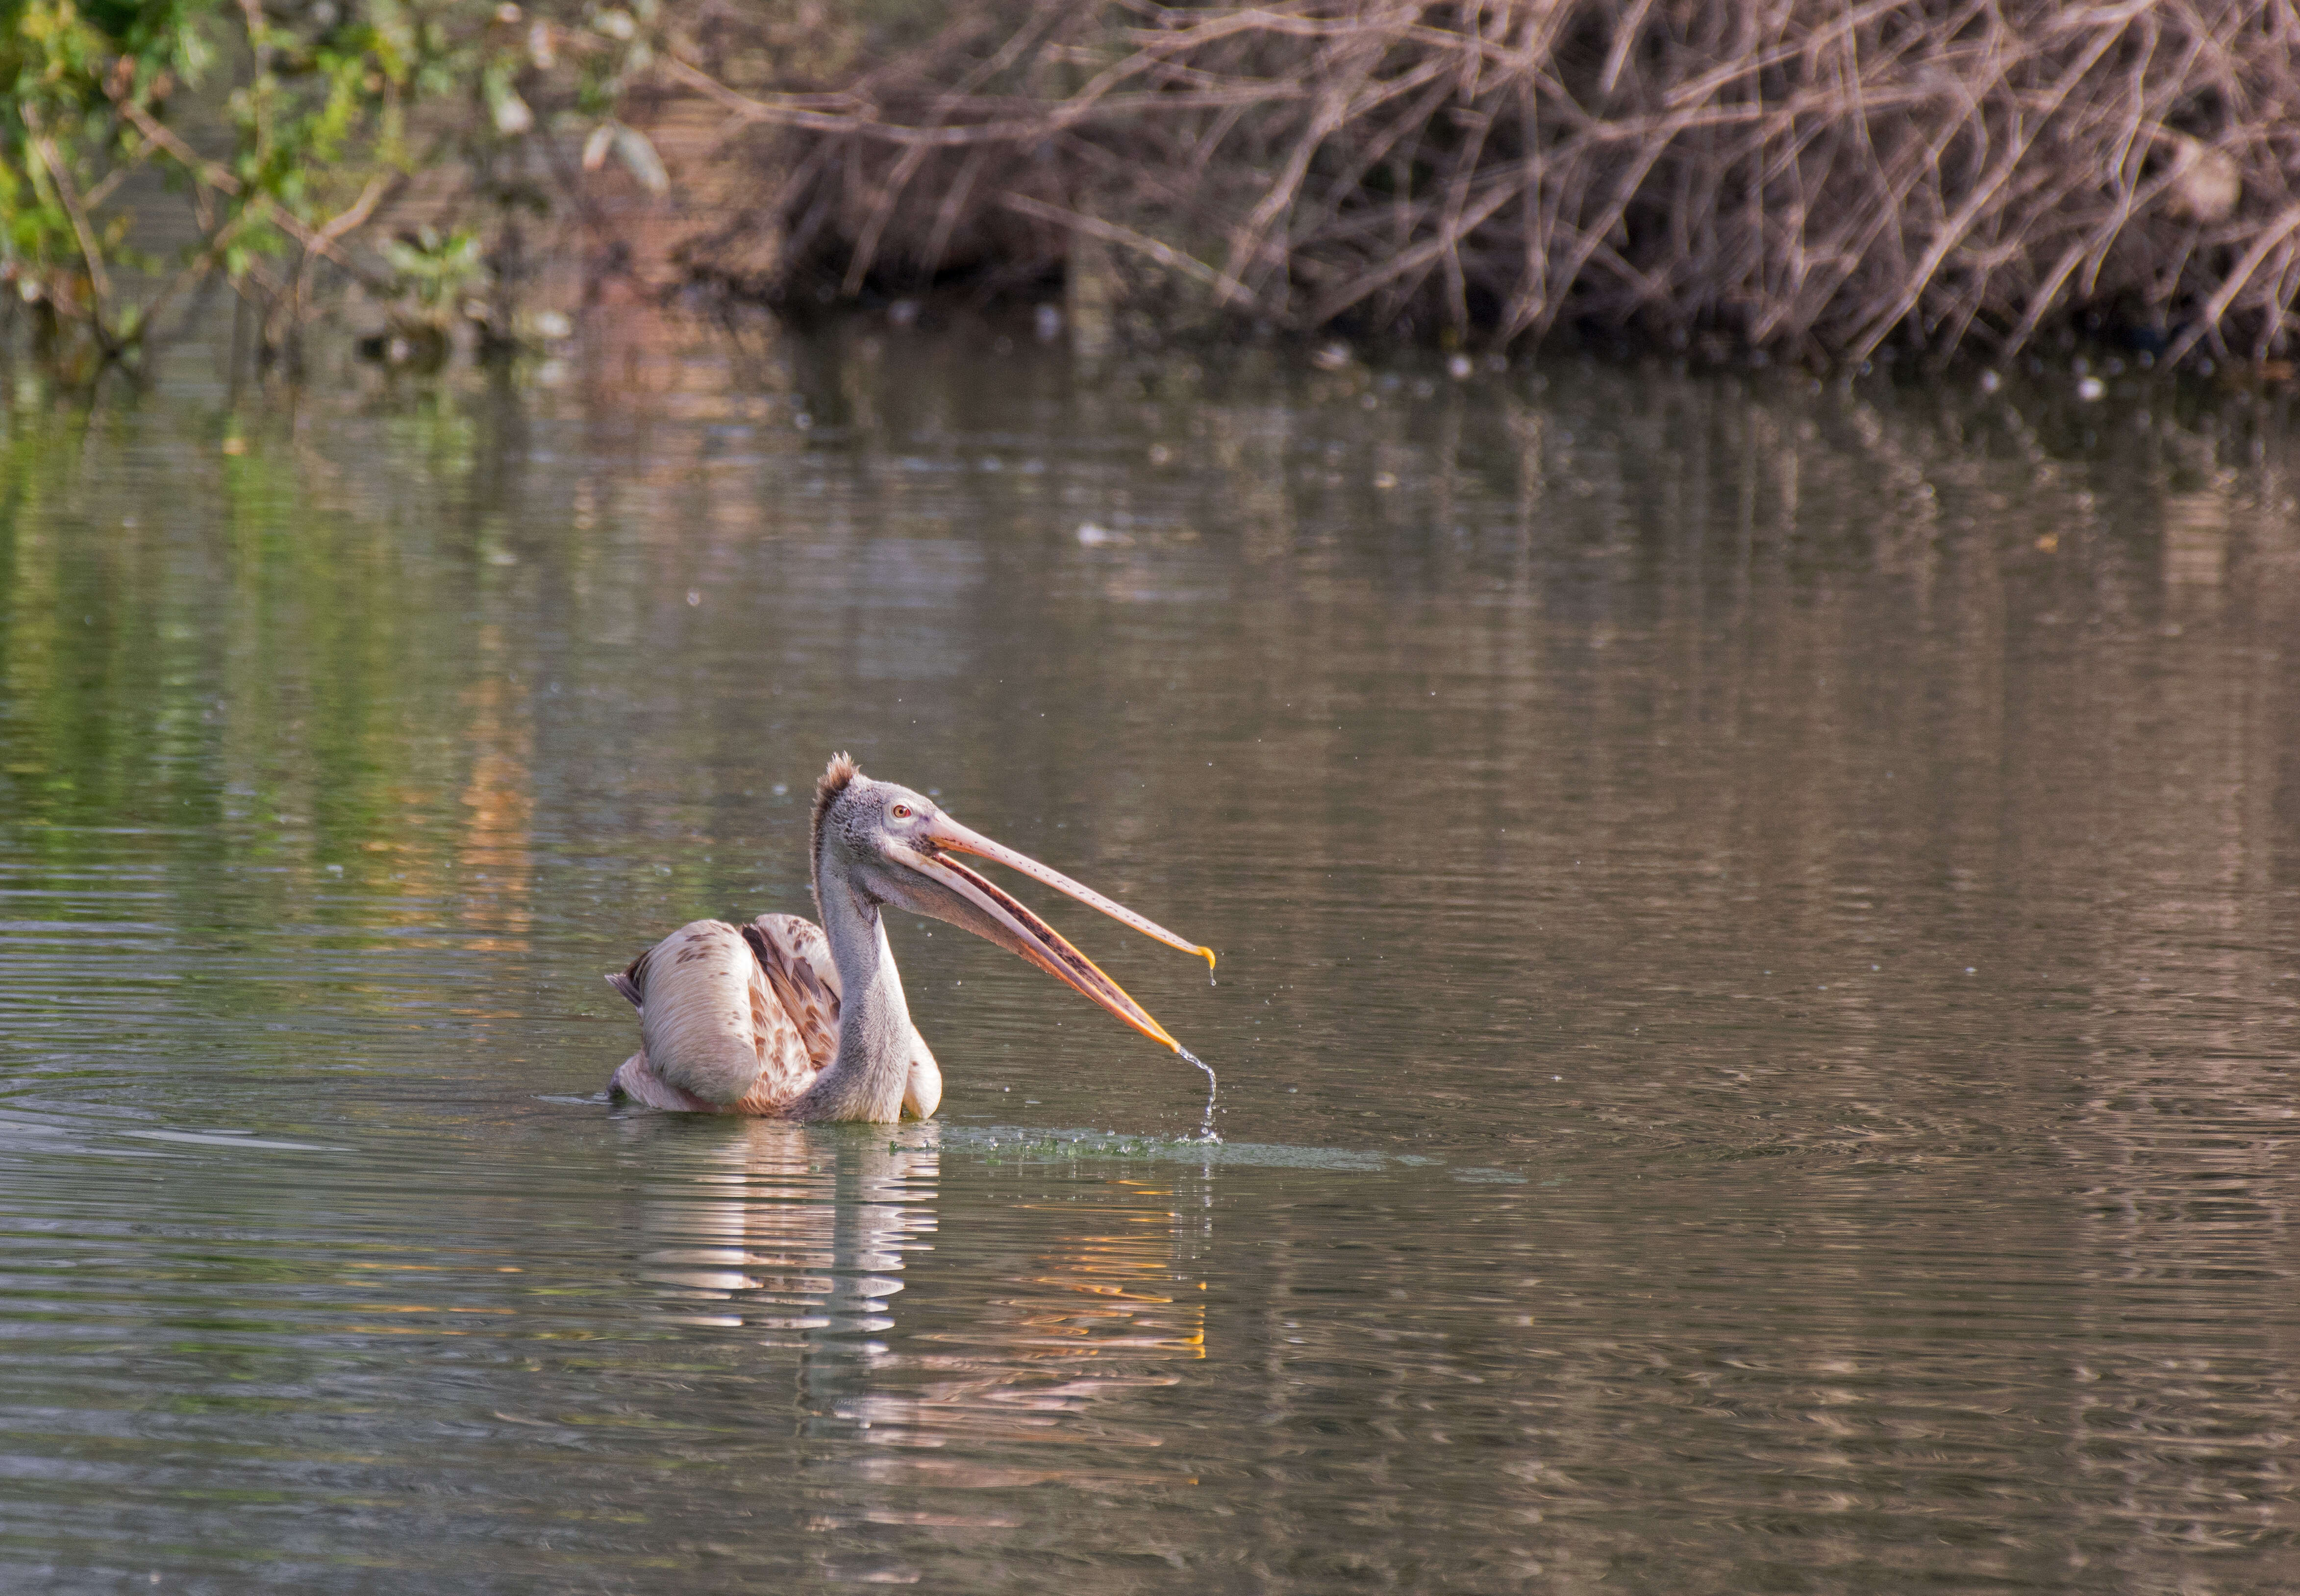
790,1020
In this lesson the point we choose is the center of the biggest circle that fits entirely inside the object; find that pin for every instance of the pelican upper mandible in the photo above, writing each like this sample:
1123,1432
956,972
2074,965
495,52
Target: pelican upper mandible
783,1018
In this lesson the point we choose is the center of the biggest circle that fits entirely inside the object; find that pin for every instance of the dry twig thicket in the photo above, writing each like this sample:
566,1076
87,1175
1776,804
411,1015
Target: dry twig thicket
1814,177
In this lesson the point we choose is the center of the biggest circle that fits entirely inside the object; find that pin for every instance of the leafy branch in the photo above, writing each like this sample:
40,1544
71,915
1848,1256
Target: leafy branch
287,126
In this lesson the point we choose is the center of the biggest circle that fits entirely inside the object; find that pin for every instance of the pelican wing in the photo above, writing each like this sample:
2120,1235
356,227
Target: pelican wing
710,1027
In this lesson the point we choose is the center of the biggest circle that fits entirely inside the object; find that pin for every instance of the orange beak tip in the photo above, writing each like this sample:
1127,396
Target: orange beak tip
1209,953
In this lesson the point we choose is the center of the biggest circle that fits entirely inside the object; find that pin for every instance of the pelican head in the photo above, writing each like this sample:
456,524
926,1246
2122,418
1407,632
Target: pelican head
887,845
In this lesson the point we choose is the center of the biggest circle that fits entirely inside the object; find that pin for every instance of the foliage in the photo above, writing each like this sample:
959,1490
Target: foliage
436,267
282,127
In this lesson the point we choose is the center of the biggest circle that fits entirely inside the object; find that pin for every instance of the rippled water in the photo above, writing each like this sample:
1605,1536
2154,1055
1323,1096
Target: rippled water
1761,948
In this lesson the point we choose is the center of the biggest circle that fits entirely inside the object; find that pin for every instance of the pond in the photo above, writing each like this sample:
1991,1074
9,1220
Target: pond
1759,954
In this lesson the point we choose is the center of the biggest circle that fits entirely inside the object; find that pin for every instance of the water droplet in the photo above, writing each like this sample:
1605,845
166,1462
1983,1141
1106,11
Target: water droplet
1206,1126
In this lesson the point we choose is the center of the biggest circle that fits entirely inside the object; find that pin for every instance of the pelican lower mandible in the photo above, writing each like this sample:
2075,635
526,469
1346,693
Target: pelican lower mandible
785,1019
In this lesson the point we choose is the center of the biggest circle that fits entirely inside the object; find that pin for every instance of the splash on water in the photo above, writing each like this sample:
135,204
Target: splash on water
1038,1143
1205,1126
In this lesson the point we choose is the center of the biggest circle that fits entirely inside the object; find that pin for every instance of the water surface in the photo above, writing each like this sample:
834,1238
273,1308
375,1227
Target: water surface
1759,936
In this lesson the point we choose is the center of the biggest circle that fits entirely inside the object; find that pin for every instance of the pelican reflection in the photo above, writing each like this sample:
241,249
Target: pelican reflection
1068,1291
770,1228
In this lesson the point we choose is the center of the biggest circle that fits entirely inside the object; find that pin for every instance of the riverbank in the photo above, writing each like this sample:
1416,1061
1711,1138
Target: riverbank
1925,179
1916,181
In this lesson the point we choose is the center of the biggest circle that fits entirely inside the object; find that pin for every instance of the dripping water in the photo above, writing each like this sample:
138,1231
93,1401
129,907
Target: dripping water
1205,1126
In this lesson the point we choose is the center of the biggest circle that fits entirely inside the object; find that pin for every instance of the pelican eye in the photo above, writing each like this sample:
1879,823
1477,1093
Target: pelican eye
902,811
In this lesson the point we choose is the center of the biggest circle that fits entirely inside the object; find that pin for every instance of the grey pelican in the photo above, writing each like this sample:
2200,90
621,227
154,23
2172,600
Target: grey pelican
783,1018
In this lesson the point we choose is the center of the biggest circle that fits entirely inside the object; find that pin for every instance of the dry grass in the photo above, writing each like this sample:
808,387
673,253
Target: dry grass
1813,176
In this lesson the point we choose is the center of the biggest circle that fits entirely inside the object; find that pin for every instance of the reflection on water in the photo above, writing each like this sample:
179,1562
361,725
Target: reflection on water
779,1230
1759,968
771,1252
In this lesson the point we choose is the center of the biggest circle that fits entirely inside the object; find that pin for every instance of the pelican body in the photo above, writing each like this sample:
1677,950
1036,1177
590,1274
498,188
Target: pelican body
790,1020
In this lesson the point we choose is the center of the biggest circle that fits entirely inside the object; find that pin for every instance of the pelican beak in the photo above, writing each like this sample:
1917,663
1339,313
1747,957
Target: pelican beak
993,914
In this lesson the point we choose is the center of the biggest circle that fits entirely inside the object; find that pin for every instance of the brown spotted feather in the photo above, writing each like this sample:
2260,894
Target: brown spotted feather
795,956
